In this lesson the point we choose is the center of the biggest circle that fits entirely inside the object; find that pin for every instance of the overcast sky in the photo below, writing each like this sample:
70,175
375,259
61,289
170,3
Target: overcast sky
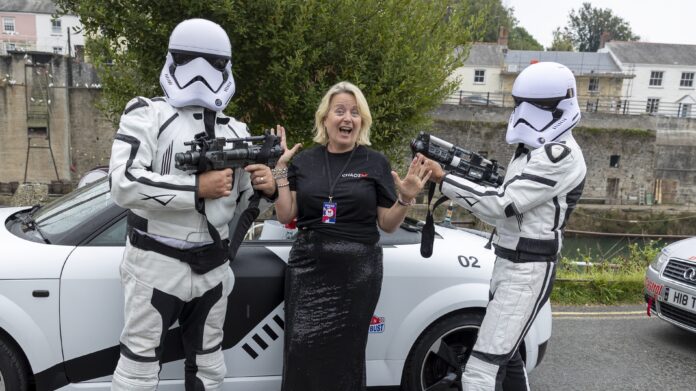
664,21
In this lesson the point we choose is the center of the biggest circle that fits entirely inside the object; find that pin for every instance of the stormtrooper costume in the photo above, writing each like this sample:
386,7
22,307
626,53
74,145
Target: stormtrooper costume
542,185
175,266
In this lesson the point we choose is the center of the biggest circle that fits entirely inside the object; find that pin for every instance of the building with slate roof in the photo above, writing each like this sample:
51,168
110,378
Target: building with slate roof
664,76
30,26
491,69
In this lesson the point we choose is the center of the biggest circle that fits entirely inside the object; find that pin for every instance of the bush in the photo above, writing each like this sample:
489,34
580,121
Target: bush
617,280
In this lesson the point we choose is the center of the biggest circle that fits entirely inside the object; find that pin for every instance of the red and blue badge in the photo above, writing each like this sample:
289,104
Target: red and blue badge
376,325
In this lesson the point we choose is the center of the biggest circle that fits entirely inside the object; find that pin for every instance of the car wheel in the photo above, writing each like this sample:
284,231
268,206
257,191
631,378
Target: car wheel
438,356
13,370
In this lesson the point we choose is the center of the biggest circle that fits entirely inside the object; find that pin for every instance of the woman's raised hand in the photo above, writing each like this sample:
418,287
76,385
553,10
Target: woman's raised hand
287,155
416,177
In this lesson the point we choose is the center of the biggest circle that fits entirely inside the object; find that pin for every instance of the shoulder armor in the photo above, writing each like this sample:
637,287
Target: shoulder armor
556,151
135,104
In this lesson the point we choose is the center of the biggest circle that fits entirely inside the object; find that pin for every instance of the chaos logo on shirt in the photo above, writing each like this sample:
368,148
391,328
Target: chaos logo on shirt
354,175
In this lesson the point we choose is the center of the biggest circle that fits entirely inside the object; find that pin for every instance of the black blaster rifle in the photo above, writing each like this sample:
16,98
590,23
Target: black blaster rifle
458,161
455,160
210,154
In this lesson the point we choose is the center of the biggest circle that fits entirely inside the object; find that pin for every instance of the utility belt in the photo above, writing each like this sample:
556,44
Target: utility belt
523,256
201,259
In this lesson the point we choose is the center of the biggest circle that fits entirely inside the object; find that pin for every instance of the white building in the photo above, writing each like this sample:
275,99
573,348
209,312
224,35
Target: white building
480,74
664,76
30,25
488,74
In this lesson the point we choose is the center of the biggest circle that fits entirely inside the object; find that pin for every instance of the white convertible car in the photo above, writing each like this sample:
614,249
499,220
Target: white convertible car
61,304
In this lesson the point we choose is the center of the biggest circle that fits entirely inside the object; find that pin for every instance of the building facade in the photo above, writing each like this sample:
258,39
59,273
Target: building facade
33,26
491,69
664,76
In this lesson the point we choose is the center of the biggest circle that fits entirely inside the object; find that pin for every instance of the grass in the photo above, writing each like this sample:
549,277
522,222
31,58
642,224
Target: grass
586,279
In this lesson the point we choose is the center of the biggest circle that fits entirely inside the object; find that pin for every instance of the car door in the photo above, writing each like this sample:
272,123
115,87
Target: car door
92,313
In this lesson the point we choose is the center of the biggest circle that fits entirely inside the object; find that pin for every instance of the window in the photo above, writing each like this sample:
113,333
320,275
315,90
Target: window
112,236
58,50
479,76
687,79
10,46
685,110
8,25
652,105
594,84
56,26
656,78
614,161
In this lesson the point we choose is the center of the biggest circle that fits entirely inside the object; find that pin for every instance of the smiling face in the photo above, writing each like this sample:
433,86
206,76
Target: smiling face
342,123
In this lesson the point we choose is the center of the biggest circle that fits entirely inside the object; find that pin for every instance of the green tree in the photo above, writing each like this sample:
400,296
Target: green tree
520,39
561,42
495,15
286,53
586,25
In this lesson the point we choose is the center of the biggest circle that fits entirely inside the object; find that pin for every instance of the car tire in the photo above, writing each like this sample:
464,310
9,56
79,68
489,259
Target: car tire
13,369
437,358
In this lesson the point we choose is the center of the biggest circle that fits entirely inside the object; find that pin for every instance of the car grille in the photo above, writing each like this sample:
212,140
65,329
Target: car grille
675,271
678,315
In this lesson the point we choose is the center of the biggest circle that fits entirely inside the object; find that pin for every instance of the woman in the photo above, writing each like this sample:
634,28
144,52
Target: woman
340,191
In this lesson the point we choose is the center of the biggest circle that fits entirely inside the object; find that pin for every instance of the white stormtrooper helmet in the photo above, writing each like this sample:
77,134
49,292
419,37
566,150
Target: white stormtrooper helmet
546,105
198,70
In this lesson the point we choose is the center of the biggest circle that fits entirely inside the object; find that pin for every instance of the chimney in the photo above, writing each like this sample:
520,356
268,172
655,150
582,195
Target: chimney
502,36
604,38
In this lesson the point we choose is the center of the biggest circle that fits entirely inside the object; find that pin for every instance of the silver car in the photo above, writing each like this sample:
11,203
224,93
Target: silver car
670,284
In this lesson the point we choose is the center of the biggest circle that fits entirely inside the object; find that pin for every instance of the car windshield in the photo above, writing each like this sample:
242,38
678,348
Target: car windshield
68,212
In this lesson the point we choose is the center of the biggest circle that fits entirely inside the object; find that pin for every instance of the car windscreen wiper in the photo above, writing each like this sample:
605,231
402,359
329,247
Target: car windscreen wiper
29,224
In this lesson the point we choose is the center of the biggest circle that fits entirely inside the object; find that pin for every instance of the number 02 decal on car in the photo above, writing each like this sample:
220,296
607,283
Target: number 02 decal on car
468,261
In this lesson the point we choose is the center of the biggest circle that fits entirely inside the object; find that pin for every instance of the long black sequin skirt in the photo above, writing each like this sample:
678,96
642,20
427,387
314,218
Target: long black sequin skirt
331,291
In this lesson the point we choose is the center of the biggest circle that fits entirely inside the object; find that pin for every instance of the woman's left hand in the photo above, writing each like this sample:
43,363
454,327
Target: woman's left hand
412,184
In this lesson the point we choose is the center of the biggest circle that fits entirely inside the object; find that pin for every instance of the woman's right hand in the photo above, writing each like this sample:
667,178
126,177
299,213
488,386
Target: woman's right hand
287,155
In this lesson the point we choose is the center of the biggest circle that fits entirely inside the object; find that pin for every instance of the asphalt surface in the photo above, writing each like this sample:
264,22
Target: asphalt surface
615,348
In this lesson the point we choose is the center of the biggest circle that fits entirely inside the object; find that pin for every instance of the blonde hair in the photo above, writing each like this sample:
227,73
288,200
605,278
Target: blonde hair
320,134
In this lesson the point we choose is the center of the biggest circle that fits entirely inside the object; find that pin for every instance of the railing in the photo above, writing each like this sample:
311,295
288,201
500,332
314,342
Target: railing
588,103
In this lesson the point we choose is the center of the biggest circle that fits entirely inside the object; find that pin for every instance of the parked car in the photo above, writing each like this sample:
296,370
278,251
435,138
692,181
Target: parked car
61,303
477,100
670,284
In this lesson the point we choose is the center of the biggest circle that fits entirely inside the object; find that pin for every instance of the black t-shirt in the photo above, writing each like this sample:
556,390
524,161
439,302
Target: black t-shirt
365,184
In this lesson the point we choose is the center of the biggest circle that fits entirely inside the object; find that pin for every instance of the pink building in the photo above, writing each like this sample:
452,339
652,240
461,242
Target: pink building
30,25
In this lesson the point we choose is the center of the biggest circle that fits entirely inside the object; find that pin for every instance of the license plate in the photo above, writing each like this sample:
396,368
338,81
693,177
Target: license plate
681,299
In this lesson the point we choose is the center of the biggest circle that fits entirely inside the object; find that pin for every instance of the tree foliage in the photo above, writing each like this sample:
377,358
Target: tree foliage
520,39
561,42
287,53
586,25
496,15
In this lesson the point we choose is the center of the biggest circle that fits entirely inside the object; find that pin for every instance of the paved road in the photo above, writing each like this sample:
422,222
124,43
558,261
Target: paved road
615,348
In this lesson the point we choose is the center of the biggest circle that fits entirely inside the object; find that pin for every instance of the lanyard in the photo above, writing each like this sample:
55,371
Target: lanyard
328,169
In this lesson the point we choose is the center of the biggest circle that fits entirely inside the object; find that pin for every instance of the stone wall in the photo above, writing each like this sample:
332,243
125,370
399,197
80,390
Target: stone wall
629,181
92,133
46,125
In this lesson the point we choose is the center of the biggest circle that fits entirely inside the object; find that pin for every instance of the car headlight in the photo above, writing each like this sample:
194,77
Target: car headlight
659,261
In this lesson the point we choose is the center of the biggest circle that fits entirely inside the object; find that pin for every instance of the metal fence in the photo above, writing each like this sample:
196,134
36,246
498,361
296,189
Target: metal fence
593,103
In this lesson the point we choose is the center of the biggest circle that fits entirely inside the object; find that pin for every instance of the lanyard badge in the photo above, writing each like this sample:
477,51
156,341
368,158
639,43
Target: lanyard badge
329,213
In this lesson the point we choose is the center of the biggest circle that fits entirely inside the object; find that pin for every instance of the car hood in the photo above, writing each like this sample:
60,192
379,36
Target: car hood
24,259
685,249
